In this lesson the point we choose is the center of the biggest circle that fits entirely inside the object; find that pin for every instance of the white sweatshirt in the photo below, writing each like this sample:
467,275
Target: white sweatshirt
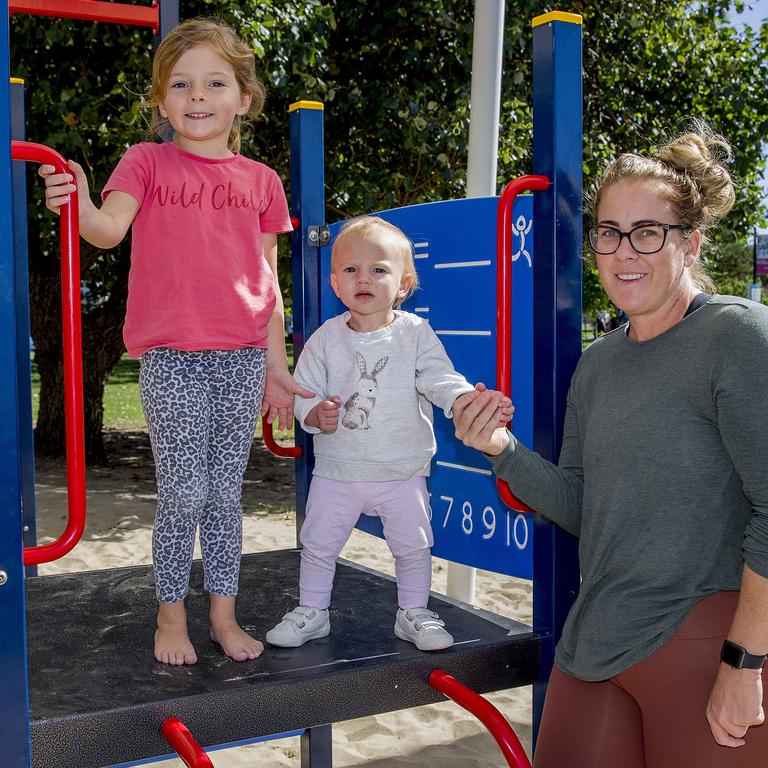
386,380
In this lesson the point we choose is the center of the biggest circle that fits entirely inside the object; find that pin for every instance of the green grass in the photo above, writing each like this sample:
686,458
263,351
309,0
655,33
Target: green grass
122,405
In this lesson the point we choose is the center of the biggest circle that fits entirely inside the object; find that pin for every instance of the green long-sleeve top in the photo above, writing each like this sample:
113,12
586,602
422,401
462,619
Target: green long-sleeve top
663,476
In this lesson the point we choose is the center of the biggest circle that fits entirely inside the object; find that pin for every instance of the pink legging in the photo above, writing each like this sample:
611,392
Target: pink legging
654,714
333,508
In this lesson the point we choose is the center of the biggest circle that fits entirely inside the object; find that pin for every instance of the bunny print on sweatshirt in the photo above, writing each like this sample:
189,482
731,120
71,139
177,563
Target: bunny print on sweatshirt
359,405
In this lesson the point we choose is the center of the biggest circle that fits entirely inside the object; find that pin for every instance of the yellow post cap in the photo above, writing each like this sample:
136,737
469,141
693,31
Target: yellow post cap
17,80
306,105
570,18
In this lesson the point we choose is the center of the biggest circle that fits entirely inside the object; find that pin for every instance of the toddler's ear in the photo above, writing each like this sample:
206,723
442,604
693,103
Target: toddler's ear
334,285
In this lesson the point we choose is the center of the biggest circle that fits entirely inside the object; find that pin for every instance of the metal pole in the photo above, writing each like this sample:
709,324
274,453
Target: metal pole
485,98
754,255
308,216
485,107
557,154
24,373
14,699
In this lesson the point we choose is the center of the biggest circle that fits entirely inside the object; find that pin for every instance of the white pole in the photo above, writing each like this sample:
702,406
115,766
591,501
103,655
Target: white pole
485,98
485,107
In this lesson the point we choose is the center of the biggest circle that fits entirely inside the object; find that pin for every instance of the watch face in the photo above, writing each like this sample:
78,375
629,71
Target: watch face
732,654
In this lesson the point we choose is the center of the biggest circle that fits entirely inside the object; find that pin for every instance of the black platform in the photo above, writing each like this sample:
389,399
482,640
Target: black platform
97,697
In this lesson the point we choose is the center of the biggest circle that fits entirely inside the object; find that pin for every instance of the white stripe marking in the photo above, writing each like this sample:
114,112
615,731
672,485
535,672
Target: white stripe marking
464,468
317,666
452,264
463,333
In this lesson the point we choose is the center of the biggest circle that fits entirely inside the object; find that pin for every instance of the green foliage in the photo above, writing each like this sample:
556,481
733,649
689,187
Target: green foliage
395,81
651,64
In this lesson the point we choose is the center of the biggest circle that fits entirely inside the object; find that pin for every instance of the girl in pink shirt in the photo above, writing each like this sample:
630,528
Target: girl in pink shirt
204,314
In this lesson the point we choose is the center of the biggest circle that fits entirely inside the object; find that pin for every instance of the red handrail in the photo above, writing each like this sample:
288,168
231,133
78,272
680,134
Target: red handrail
504,301
486,713
288,452
73,365
185,744
91,10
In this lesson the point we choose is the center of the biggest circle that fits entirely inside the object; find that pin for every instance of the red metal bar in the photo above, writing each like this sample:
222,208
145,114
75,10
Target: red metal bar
73,362
504,301
91,10
486,713
287,452
185,744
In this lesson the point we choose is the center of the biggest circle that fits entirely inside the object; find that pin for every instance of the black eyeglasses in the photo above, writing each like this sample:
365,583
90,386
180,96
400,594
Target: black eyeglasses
646,238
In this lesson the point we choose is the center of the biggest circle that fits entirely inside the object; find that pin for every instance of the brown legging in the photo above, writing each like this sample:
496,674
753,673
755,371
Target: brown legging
654,714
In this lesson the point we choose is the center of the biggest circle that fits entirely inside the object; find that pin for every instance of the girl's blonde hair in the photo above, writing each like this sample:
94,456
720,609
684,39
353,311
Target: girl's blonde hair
372,227
226,43
692,175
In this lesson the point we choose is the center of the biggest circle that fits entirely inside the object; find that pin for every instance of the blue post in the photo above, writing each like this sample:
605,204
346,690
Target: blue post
168,12
24,372
14,704
557,154
308,206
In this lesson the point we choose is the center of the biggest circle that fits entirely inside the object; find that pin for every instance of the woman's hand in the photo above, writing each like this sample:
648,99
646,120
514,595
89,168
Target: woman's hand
476,418
735,704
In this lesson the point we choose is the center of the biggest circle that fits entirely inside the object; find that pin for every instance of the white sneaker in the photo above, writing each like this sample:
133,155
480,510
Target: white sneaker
298,626
423,628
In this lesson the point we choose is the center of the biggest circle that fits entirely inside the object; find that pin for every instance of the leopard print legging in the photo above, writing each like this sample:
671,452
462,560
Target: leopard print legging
201,409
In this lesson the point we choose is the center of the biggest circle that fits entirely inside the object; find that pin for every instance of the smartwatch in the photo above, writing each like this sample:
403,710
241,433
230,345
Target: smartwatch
739,658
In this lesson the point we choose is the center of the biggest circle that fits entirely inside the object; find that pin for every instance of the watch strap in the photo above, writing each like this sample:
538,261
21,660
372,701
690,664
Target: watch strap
740,658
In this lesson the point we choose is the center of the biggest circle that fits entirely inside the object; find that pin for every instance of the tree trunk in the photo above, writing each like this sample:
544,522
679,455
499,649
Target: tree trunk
102,348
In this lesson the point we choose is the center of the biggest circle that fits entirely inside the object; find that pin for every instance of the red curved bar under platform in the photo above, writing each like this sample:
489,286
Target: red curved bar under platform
185,744
73,362
288,452
504,300
486,713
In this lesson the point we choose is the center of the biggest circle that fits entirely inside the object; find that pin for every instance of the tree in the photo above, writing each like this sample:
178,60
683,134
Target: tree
395,80
81,83
651,64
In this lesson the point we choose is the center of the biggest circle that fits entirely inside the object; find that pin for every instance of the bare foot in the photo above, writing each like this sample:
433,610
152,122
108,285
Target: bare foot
236,642
225,630
172,644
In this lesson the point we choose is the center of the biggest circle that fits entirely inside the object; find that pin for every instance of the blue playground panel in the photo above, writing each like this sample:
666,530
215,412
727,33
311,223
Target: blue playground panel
455,250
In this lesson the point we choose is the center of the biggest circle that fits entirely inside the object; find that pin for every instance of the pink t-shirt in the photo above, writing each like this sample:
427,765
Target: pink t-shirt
198,278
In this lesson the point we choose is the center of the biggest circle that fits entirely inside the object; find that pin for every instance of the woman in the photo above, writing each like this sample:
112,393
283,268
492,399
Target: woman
662,475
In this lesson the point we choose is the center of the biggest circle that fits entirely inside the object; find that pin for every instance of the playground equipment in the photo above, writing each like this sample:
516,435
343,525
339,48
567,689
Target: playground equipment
75,653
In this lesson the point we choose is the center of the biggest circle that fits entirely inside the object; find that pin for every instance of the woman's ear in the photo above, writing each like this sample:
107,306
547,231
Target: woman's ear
692,248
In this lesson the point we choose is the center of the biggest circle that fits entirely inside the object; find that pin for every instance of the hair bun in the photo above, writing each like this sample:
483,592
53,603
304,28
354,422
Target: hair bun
700,155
